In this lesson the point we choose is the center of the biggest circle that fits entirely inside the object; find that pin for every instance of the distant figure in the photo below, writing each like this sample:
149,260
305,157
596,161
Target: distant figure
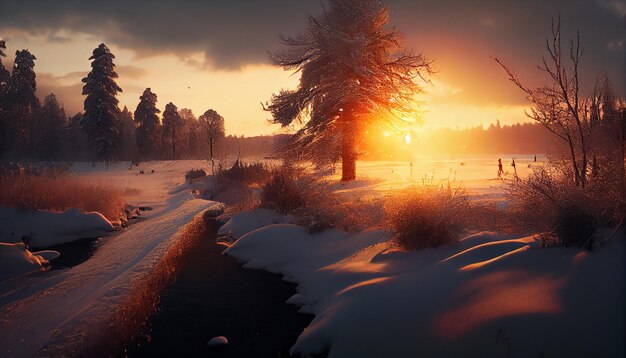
535,158
141,171
500,171
152,171
514,167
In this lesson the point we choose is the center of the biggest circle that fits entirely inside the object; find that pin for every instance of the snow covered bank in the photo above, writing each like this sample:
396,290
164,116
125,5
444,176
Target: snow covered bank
90,292
485,296
16,260
45,229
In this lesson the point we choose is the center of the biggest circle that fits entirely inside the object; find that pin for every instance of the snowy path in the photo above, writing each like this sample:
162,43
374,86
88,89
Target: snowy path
87,293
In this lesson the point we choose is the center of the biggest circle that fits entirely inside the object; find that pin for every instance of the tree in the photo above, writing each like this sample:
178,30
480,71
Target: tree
101,105
353,71
559,106
5,77
190,136
214,128
23,104
147,119
172,126
128,147
48,132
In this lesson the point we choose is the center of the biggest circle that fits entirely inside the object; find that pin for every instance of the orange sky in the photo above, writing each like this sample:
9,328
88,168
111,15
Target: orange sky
214,55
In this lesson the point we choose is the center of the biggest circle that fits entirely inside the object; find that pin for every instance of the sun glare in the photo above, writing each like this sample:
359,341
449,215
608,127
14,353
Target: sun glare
407,138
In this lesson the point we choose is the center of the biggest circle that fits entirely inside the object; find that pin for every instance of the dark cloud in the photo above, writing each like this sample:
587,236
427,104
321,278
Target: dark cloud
461,35
67,94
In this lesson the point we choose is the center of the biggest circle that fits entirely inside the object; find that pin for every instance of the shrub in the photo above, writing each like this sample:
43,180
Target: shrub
42,190
195,174
426,216
547,200
287,189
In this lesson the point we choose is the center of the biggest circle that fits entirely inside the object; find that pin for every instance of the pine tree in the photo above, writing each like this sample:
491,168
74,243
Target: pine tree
353,71
128,147
101,110
147,122
213,125
23,104
5,77
48,131
172,127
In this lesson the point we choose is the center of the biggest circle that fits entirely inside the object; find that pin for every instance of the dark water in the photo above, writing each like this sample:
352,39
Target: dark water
214,296
73,253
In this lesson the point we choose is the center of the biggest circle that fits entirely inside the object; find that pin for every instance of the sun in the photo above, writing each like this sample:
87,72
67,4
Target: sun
407,138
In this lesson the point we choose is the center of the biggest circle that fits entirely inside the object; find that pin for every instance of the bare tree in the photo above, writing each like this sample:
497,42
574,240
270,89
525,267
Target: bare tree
214,127
558,106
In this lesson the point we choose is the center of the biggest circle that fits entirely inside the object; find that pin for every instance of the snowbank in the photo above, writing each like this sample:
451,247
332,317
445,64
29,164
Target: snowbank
15,260
247,221
45,229
485,296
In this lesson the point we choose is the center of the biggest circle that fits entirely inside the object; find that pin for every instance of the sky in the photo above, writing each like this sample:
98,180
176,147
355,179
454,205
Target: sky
203,54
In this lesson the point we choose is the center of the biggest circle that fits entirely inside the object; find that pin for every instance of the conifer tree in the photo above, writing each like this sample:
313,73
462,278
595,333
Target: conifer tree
128,147
172,127
354,70
101,105
213,125
147,120
23,104
48,131
5,77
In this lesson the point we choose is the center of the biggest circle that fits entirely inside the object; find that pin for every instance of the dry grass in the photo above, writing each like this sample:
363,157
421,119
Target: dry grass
426,216
129,324
549,201
45,191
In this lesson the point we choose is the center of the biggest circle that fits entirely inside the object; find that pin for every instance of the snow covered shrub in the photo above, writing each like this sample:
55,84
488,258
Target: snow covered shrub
549,201
58,192
287,189
195,174
426,216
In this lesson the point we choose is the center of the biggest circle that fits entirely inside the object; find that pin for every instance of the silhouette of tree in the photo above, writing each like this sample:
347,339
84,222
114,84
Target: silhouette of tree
23,103
49,129
147,124
172,127
559,106
214,128
100,120
5,77
128,147
353,70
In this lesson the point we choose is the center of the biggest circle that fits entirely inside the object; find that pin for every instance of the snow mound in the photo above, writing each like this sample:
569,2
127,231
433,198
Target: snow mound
489,295
45,229
246,221
15,260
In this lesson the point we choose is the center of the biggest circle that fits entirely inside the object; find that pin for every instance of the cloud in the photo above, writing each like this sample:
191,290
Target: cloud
617,6
130,71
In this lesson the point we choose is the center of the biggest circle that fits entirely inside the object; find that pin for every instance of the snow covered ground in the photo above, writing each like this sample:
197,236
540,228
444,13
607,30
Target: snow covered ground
474,297
488,295
56,308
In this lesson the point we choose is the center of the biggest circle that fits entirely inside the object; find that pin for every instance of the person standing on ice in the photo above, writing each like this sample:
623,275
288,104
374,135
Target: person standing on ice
500,171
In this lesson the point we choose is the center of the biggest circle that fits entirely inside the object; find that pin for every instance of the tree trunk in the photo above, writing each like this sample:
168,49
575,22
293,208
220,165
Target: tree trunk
211,148
348,153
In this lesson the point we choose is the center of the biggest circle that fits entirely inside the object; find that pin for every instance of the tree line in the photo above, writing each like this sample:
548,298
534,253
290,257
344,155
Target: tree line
31,129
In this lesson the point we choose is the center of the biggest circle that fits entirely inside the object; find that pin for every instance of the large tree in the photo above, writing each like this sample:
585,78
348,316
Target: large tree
23,104
101,105
172,127
213,125
147,119
354,70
